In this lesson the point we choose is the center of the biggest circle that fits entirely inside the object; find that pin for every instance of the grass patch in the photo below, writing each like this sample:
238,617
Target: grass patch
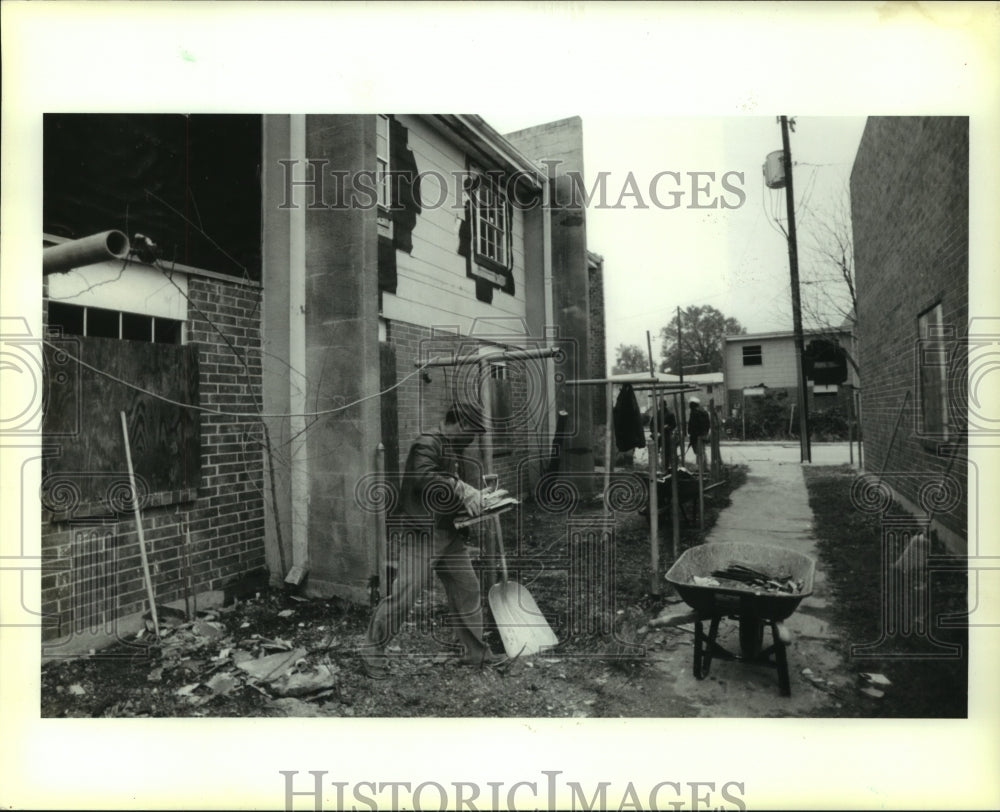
852,545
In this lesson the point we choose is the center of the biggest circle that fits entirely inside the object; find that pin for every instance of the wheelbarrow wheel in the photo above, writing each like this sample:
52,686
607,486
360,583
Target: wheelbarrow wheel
751,637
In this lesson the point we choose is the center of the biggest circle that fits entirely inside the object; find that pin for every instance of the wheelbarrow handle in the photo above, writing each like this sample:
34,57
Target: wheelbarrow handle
498,534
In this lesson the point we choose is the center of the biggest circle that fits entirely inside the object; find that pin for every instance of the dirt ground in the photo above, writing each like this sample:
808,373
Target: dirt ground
277,654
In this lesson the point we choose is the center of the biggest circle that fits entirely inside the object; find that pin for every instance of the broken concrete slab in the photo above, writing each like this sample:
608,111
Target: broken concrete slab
273,666
221,684
305,683
674,615
213,631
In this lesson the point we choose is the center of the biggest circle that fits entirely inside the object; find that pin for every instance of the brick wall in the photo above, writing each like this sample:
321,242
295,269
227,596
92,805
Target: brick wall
94,576
910,209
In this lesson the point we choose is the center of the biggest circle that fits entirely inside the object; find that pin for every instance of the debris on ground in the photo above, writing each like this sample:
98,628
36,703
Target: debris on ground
272,666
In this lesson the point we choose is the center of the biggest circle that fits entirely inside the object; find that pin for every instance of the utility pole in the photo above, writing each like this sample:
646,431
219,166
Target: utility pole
793,263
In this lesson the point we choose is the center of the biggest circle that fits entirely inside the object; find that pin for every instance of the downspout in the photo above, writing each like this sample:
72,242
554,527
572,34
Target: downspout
297,388
549,326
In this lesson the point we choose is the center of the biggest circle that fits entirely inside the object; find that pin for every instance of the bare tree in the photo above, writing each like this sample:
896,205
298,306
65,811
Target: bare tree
829,294
829,249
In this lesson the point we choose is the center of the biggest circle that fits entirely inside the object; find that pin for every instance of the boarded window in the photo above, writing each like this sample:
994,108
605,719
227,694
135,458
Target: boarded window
753,355
933,368
163,433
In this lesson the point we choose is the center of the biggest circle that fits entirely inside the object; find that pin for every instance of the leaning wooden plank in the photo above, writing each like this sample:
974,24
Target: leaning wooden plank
138,528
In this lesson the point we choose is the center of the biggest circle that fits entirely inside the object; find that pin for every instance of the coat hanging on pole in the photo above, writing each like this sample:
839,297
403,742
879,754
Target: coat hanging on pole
629,433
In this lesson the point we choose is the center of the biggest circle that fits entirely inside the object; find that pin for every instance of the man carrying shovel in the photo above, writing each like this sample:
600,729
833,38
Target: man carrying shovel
431,489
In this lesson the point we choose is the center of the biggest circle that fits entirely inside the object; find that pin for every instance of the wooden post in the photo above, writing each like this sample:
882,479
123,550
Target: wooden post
138,528
189,575
699,452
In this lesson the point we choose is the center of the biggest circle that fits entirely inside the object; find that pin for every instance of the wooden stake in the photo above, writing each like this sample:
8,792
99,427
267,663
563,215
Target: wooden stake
190,574
138,528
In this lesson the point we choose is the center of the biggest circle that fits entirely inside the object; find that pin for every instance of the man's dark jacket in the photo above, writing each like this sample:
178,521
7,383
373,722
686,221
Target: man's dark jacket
429,487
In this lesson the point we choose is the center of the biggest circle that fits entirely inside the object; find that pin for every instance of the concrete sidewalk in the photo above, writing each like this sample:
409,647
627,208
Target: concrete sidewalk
772,508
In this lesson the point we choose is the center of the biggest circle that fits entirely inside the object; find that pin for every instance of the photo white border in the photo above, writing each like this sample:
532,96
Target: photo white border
678,58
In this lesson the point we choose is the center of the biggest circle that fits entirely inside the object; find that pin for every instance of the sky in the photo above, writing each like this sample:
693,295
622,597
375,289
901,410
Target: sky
657,259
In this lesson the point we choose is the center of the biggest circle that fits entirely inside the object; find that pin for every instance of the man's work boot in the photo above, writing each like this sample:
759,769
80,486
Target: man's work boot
374,663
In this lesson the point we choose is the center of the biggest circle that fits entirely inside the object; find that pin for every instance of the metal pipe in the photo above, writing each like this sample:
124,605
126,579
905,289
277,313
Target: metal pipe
66,256
506,355
654,503
380,533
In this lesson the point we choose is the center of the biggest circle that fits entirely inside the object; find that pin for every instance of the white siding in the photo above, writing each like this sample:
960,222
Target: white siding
777,367
432,287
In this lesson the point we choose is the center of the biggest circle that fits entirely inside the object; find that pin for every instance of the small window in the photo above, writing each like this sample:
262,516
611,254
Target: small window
491,222
167,331
98,322
102,323
382,165
933,365
753,356
67,317
136,327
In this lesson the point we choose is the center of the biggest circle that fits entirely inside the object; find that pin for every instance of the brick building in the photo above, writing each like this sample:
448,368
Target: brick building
303,264
910,211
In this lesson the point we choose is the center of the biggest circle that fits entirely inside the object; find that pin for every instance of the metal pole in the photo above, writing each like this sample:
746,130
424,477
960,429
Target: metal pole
380,532
654,505
793,264
682,423
608,461
850,425
675,500
861,459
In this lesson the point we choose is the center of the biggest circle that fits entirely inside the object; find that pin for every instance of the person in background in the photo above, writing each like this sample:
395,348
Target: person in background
668,424
431,490
699,427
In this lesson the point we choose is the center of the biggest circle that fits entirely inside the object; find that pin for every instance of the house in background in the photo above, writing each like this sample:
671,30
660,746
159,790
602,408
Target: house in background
303,264
910,212
760,365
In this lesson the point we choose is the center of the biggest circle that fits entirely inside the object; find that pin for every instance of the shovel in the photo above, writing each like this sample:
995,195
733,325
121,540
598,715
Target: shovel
523,628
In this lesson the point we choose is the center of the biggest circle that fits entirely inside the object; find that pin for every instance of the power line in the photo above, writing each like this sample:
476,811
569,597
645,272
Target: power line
240,415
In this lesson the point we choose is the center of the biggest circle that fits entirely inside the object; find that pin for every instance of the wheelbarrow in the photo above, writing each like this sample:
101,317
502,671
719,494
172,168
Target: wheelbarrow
754,607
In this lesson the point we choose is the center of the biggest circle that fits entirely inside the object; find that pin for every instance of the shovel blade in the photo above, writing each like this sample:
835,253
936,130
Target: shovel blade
523,628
